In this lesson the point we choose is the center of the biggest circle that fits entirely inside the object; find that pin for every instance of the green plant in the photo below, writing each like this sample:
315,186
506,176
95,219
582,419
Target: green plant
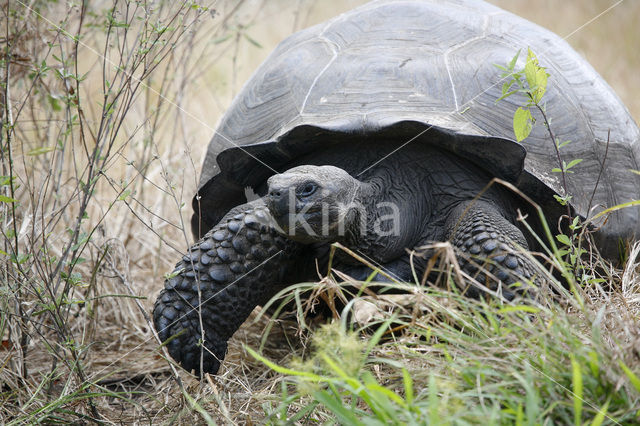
531,82
462,361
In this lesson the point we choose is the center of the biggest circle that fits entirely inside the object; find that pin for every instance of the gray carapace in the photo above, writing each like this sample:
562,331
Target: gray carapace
427,63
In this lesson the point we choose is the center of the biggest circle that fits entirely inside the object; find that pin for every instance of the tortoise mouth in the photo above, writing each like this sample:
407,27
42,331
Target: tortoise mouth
303,227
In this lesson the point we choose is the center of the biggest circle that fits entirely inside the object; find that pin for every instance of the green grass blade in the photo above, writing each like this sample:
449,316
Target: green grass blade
519,308
344,414
408,386
283,370
194,404
635,381
599,418
577,391
434,416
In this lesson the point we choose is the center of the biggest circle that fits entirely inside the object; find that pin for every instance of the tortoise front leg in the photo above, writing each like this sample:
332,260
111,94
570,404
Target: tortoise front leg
489,249
236,266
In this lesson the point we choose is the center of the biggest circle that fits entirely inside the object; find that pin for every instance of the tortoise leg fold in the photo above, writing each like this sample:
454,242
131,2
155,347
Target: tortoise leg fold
488,245
236,266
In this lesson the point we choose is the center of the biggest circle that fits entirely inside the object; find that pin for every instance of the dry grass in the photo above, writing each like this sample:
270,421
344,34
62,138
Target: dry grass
138,210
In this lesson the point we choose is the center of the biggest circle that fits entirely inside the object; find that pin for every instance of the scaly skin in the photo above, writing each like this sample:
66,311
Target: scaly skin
237,265
489,244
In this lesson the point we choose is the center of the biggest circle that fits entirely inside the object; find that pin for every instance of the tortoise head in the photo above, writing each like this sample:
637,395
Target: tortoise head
313,204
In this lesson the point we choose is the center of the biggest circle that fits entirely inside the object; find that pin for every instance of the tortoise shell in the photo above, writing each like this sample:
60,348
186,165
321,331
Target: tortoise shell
425,71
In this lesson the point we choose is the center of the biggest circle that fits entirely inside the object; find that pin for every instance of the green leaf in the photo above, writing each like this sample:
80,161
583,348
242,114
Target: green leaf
635,171
506,95
573,163
512,63
385,395
575,224
253,41
54,103
173,274
615,208
563,239
522,123
530,70
124,195
536,77
541,88
5,199
20,258
506,86
41,150
222,39
564,200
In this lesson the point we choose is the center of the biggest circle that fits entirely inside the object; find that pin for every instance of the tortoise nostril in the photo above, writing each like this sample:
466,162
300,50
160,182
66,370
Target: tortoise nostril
274,194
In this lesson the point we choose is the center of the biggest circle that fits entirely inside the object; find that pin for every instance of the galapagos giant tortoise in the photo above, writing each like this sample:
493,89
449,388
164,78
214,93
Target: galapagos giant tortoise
377,129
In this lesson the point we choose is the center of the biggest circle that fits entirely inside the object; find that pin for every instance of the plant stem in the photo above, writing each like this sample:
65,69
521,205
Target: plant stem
559,157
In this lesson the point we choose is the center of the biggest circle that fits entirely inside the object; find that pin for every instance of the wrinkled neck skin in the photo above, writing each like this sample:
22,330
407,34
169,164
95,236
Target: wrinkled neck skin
407,199
384,226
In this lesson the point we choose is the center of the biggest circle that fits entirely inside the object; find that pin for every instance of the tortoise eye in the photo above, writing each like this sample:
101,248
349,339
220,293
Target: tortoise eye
307,189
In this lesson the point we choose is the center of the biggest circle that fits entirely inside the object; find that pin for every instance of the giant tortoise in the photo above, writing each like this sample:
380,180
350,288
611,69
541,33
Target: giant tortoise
379,129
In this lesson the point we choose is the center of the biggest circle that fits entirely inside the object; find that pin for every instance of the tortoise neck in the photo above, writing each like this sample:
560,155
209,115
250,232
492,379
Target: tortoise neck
377,220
